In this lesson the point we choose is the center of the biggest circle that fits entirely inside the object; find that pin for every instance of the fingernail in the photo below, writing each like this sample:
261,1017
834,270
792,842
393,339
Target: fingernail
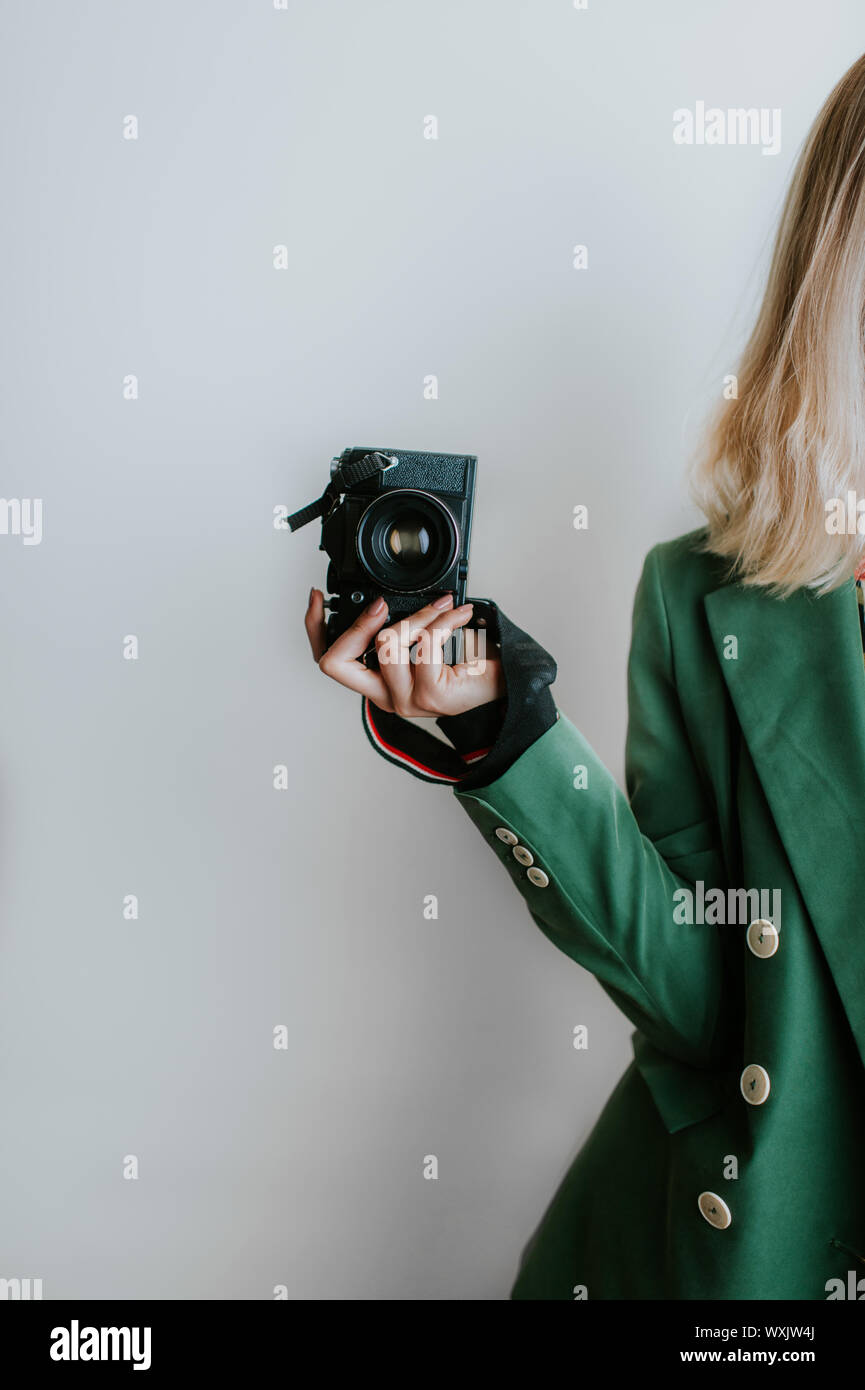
311,592
376,606
444,602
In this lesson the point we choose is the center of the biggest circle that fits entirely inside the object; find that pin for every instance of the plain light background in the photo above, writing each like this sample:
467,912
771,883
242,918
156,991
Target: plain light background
407,257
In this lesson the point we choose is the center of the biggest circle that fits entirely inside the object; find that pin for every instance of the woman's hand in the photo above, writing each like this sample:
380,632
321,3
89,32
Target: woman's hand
419,684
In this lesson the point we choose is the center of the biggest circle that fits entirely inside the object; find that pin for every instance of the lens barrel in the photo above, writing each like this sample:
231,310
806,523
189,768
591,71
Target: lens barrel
407,540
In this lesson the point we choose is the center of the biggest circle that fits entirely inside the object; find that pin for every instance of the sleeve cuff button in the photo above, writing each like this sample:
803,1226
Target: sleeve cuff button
537,877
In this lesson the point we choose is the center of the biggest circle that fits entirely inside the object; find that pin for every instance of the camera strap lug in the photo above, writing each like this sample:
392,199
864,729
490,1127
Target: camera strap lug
345,476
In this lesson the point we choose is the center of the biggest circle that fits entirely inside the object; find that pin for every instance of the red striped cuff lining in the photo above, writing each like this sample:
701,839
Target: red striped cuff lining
415,763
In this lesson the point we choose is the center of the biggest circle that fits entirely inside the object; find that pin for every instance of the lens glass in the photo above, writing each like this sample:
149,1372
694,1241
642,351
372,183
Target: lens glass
408,540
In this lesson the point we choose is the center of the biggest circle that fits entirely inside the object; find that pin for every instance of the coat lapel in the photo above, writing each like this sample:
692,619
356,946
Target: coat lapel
798,688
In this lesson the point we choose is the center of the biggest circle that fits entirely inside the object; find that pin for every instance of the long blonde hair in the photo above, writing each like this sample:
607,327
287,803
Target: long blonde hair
794,438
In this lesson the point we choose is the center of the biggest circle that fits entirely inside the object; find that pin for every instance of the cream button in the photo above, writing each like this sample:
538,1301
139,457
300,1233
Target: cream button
762,938
523,855
506,835
754,1084
537,877
715,1210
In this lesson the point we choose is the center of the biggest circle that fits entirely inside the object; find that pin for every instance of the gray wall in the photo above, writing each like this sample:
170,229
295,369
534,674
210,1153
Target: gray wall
304,127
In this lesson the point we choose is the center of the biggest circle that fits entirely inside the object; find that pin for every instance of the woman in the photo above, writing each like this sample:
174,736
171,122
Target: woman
728,1162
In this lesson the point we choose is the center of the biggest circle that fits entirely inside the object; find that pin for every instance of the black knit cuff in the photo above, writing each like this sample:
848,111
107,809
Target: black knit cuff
474,732
512,724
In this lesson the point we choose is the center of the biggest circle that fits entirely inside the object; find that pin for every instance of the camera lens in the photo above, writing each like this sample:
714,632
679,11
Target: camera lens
407,540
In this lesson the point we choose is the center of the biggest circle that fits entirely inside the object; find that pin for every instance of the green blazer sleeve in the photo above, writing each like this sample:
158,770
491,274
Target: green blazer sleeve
598,870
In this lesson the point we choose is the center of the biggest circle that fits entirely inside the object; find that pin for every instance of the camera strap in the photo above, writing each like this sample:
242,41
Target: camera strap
420,753
346,475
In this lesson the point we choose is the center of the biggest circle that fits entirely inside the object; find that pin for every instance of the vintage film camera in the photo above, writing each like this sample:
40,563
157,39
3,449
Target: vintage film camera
396,523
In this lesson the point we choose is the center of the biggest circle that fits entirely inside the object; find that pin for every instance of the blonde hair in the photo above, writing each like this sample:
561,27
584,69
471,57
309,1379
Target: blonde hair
772,459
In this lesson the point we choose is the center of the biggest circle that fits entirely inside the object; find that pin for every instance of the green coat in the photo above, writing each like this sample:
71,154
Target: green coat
745,769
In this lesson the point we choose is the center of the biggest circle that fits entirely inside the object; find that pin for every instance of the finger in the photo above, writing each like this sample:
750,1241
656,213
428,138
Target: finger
340,660
412,624
431,673
480,670
460,688
441,629
478,649
393,648
354,676
352,643
314,624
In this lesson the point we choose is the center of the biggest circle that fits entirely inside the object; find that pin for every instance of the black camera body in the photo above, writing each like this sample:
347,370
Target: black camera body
396,524
402,533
